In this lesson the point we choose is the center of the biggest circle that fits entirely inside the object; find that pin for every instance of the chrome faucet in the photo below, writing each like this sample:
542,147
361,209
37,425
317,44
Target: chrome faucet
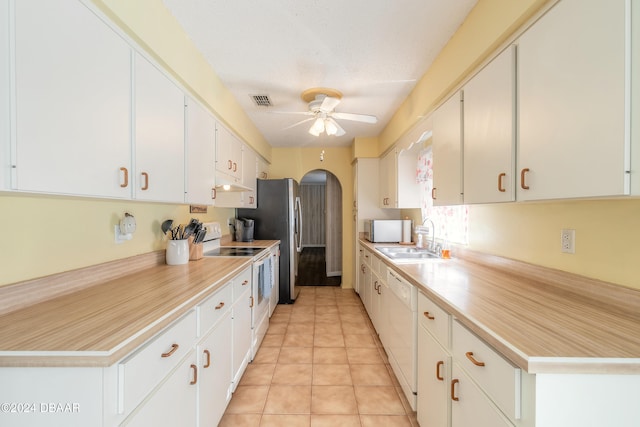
420,231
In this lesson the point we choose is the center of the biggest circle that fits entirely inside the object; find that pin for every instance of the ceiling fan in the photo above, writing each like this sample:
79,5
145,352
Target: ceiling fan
322,104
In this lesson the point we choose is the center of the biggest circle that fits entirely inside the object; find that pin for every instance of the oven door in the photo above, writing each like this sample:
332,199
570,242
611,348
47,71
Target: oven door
262,283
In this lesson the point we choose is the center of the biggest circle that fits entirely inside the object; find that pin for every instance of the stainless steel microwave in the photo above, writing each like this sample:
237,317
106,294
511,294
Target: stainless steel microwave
383,230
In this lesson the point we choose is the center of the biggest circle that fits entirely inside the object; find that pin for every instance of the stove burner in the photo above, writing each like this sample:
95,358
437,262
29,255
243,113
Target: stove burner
233,251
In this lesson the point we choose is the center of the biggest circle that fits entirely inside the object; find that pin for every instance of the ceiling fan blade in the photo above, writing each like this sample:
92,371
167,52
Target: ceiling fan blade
329,104
298,123
302,113
364,118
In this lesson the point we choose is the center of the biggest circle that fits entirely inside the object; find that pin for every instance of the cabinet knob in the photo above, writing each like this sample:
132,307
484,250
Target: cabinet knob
125,176
145,186
439,365
195,375
500,183
428,315
246,282
469,355
523,174
219,306
208,354
453,390
174,348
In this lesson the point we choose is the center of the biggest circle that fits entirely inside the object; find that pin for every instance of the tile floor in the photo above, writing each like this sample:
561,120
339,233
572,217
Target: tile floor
320,364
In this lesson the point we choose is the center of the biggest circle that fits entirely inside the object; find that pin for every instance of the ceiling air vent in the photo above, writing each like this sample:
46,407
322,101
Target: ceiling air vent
262,100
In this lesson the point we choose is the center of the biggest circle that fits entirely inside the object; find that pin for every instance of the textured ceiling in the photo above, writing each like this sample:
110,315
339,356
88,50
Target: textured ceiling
373,51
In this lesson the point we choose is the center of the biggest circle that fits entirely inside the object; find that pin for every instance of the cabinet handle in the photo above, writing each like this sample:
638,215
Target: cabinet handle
235,167
523,172
251,298
428,316
219,306
229,164
195,375
245,282
375,285
208,354
469,355
174,347
362,267
453,390
146,181
500,183
213,193
379,293
125,175
433,193
439,376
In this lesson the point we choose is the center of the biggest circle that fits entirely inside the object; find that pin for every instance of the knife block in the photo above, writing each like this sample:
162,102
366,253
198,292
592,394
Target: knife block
195,251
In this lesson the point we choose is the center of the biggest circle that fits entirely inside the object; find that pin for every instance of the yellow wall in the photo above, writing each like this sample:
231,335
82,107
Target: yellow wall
44,235
296,162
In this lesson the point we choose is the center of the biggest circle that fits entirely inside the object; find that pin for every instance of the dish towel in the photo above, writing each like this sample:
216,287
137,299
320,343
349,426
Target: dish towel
267,279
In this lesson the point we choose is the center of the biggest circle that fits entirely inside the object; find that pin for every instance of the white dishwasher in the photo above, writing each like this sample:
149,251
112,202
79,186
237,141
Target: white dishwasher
403,334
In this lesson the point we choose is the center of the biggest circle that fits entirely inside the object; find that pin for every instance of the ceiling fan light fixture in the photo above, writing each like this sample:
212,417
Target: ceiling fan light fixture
318,127
330,127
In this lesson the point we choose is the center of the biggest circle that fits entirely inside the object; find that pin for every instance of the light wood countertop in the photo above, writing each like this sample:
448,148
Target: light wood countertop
99,324
543,320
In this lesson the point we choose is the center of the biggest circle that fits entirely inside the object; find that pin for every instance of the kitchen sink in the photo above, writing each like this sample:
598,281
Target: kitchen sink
398,253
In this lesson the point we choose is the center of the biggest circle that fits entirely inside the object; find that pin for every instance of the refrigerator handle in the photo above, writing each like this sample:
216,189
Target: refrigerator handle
298,224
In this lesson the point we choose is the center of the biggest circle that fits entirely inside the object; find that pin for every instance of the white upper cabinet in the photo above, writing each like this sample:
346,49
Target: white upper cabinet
72,102
388,180
489,132
200,140
447,152
228,154
572,69
159,135
263,169
5,132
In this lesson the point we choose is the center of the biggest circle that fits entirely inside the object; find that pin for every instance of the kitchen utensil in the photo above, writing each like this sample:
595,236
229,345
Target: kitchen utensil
166,226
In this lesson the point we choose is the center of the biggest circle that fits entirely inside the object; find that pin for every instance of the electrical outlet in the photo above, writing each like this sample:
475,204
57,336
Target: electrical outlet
568,241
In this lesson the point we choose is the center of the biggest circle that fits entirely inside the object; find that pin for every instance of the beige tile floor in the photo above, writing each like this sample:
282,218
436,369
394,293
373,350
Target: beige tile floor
320,364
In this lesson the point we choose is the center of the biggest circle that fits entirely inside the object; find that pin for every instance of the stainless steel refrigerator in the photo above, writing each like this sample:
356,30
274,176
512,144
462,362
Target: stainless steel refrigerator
278,216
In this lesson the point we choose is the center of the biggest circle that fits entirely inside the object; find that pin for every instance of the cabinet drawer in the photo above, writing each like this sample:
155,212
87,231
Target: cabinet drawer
241,283
213,308
140,372
497,377
434,319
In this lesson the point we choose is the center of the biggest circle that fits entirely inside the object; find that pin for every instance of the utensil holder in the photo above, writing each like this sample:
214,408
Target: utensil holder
195,251
177,252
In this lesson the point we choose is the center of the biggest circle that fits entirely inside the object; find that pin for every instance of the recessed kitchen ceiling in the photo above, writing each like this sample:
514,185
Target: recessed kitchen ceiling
269,52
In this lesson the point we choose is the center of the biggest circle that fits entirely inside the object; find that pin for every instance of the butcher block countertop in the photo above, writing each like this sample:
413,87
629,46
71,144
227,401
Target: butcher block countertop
98,324
542,320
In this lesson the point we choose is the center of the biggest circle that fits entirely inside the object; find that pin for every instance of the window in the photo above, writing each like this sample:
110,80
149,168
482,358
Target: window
451,222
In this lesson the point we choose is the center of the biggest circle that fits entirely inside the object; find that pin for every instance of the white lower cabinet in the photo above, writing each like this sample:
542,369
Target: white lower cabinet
174,403
214,364
241,313
434,377
469,405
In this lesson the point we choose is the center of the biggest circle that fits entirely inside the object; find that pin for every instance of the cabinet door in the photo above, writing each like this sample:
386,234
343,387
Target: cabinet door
174,403
72,102
447,152
201,163
5,101
159,135
434,376
241,334
571,78
472,408
388,180
489,132
214,390
228,154
263,169
249,172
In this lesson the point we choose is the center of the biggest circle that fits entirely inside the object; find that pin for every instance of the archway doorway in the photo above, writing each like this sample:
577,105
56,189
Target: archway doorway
320,261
